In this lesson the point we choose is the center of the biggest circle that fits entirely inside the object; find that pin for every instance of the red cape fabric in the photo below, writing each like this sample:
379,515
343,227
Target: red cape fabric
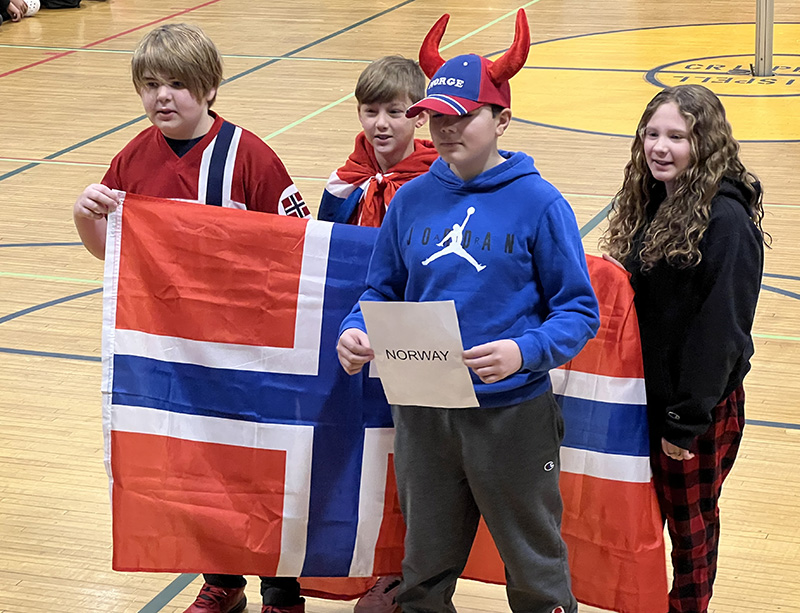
362,166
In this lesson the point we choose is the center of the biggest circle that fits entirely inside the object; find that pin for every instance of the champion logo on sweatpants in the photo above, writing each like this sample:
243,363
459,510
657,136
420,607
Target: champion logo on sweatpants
559,609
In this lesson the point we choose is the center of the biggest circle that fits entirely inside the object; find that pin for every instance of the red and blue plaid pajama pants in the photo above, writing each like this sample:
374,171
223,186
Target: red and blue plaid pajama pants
688,493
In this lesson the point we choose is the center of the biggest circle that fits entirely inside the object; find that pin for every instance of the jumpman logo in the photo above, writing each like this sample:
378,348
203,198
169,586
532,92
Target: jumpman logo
455,236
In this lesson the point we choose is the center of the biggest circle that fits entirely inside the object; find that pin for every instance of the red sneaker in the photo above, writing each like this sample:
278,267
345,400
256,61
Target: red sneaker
300,607
380,598
213,599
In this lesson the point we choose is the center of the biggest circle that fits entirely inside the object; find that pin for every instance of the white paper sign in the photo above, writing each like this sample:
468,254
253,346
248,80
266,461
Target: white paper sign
418,351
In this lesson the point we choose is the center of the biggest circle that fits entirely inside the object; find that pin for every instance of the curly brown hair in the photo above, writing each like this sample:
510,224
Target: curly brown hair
682,217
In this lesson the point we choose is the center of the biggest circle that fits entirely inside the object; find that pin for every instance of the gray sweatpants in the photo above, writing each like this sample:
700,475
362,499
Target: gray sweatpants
454,465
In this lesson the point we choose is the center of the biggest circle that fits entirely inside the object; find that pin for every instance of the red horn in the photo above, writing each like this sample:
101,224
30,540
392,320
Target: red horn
429,58
513,60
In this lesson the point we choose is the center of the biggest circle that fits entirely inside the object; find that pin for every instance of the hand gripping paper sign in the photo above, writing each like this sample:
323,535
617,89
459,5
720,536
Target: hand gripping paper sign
418,351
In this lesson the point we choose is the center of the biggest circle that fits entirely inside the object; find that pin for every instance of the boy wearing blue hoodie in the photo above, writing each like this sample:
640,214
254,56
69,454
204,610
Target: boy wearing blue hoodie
484,229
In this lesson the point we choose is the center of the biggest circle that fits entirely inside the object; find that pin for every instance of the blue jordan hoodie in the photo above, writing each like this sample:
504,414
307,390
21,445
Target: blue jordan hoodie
505,247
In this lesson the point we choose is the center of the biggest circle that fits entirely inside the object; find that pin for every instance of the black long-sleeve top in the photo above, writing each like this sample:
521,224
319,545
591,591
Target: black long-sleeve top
695,323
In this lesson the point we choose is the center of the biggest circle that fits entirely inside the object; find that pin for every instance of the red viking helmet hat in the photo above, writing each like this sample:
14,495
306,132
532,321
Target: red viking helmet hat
467,82
500,71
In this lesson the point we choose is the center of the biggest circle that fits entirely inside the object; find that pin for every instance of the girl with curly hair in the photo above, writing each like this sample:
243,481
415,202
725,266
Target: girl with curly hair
686,224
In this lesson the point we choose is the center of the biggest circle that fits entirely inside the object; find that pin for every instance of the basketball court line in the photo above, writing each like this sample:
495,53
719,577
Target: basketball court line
50,303
69,244
108,38
56,162
667,27
653,80
131,122
630,136
352,94
163,598
776,337
51,354
345,98
694,72
778,290
91,139
773,275
25,275
225,56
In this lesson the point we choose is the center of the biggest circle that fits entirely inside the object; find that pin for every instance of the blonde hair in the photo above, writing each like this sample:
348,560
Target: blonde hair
675,232
390,77
178,51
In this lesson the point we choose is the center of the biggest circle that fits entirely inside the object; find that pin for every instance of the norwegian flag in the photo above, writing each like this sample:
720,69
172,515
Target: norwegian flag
236,441
292,203
236,444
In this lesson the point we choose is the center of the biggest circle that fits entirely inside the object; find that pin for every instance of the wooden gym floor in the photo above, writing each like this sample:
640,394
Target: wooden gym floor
68,107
